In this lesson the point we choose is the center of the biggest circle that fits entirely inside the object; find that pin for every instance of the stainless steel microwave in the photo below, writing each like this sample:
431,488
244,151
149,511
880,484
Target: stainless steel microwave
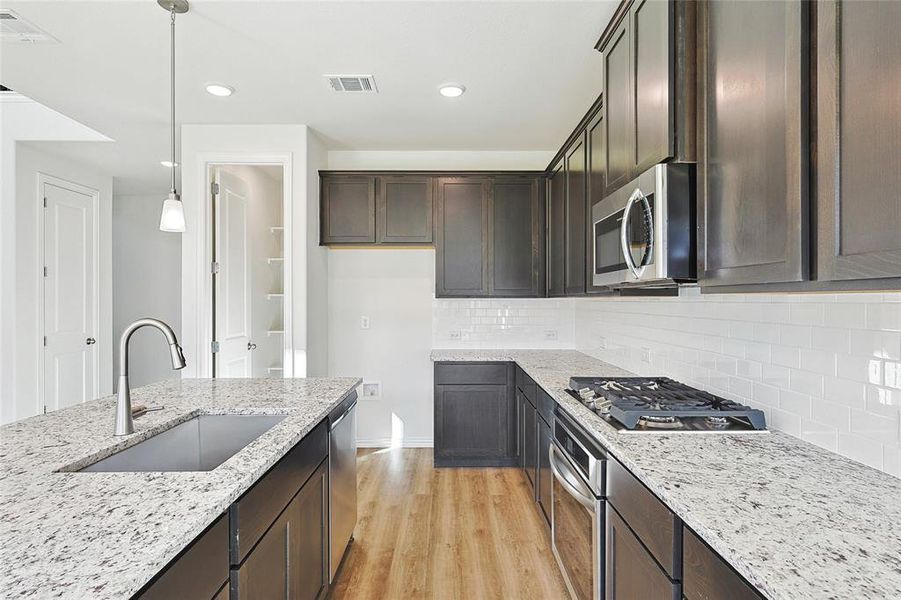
644,233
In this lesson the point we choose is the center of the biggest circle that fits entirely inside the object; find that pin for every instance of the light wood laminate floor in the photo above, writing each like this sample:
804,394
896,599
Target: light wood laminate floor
445,534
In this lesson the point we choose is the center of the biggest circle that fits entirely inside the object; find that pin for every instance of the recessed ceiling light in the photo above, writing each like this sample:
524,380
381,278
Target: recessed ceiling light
168,164
452,90
218,89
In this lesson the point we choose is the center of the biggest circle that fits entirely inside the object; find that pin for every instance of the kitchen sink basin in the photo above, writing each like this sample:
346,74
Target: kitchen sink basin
199,444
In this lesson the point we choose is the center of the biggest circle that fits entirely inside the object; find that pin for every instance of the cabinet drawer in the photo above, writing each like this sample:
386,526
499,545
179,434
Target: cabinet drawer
464,373
545,406
199,572
631,572
708,577
252,514
658,528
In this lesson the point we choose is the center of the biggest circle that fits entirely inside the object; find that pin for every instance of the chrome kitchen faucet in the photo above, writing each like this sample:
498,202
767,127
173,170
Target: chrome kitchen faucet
124,422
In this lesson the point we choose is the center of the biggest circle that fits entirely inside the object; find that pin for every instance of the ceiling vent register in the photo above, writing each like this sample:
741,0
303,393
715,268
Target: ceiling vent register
352,83
14,28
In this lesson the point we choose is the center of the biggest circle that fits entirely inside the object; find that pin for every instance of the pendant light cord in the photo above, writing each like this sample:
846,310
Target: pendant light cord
172,81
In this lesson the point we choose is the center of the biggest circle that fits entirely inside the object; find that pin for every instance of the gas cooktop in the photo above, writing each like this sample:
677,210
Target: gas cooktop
662,404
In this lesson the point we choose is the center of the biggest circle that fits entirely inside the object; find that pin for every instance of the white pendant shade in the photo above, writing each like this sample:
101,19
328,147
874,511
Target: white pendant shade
173,217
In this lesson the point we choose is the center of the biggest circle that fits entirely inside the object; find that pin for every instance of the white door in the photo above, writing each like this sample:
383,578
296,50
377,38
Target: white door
232,310
69,297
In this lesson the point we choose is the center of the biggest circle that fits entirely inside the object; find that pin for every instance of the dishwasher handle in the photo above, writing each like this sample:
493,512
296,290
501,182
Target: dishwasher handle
335,423
571,482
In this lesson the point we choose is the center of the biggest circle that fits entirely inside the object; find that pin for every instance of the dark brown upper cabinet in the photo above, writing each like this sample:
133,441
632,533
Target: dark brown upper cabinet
405,209
858,138
753,207
347,210
516,248
597,183
462,236
649,87
576,216
556,229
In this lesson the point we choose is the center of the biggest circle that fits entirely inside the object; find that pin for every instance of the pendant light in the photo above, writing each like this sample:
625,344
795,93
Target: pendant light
173,215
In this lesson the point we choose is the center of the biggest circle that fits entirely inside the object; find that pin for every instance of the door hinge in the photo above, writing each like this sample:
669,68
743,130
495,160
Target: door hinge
214,188
45,202
45,271
45,340
214,346
214,267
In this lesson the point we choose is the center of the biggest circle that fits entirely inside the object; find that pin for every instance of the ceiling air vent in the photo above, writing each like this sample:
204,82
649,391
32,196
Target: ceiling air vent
352,83
14,28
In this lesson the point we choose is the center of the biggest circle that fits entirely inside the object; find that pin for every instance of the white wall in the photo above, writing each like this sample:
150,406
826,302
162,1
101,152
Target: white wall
440,160
31,159
394,288
317,265
21,119
146,283
230,144
823,367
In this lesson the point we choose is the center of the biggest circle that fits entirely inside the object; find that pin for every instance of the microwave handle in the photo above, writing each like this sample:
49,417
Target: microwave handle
624,228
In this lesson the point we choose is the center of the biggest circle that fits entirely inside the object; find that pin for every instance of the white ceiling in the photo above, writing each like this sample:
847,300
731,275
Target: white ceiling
529,67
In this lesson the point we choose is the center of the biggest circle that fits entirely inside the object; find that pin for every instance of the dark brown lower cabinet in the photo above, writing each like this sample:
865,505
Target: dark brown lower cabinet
708,577
475,417
290,560
631,571
545,477
200,572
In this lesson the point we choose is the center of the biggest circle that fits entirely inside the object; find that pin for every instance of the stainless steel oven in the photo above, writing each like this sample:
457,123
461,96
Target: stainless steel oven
577,513
644,233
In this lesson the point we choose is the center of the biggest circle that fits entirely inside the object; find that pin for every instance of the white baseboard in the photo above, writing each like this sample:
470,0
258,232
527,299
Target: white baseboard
386,443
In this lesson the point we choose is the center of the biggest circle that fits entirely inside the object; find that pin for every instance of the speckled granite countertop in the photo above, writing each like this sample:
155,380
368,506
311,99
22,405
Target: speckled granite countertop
795,520
104,535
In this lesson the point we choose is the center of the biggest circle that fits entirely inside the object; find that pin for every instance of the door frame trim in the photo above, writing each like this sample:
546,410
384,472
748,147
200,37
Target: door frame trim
43,179
203,279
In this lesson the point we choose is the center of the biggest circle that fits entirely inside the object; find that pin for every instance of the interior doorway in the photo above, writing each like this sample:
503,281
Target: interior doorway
70,293
248,270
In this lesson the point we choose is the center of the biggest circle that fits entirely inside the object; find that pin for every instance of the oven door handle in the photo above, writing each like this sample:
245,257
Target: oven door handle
569,480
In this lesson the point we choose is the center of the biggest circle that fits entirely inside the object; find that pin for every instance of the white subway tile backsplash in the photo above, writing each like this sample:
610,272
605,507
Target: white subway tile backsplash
824,367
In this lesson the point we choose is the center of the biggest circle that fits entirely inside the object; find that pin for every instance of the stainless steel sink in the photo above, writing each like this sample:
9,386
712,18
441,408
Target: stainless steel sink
199,444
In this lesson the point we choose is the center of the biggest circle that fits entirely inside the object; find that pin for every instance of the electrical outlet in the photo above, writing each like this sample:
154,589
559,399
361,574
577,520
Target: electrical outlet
602,343
550,334
646,355
372,390
364,322
454,334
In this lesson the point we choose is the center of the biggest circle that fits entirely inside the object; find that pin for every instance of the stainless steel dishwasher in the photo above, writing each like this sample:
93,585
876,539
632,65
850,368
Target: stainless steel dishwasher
342,472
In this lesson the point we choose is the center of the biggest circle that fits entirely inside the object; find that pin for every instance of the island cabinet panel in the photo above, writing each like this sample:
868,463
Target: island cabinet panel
515,254
405,208
576,216
858,139
631,570
707,577
252,514
556,230
347,210
753,166
200,572
462,237
290,560
475,423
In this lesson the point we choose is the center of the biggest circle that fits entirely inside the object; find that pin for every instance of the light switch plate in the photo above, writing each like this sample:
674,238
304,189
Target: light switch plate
646,355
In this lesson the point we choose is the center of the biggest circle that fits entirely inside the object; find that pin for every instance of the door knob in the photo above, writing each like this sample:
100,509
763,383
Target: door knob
90,341
251,346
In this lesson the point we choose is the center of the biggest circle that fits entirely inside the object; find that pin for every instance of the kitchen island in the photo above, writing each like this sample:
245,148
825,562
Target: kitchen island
65,534
794,520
